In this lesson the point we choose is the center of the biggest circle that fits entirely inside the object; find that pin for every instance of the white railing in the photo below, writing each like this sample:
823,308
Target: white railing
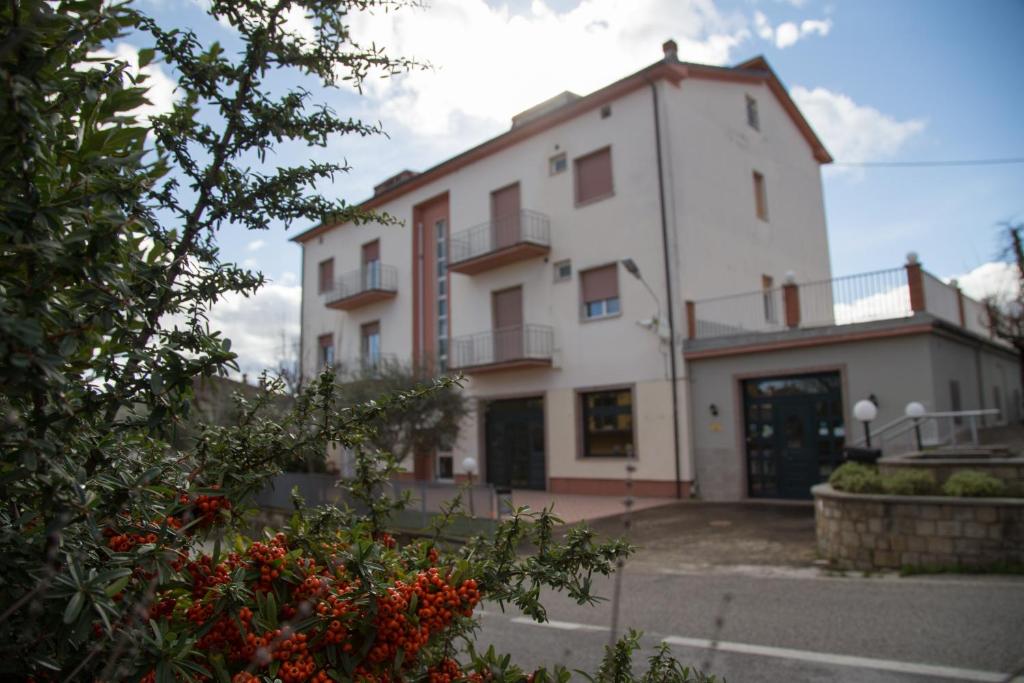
937,430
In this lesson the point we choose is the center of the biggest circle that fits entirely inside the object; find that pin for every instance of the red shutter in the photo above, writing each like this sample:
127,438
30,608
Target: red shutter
505,215
370,329
594,175
600,283
371,251
326,275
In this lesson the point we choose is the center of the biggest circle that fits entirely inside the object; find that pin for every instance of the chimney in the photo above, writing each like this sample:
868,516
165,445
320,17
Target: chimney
670,49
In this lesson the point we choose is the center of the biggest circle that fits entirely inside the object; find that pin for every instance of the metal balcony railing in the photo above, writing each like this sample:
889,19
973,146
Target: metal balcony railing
368,365
525,227
503,345
374,277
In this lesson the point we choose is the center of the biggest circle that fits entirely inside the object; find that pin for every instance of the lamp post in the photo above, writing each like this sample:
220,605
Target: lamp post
915,410
469,465
865,411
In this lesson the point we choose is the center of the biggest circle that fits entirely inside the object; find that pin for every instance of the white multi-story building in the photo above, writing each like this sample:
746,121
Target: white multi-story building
551,264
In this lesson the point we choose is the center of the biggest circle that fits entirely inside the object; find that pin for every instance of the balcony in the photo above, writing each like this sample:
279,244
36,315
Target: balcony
508,348
369,366
499,242
362,287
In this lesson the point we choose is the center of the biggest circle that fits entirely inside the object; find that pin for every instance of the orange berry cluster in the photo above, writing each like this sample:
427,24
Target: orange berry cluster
207,508
124,542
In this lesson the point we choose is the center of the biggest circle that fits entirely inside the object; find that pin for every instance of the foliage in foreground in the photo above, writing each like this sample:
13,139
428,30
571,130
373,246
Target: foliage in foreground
122,546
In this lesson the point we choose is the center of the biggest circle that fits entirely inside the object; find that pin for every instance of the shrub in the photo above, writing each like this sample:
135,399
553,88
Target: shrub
854,477
909,483
973,484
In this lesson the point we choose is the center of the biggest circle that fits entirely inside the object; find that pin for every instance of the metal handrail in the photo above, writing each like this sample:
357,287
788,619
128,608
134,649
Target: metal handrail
905,424
517,342
518,228
373,277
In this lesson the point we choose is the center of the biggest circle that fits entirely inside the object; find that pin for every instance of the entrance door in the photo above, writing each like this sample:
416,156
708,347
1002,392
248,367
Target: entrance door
505,216
514,439
507,312
794,433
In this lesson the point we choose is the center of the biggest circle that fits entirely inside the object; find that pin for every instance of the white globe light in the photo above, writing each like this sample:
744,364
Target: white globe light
865,411
469,465
914,409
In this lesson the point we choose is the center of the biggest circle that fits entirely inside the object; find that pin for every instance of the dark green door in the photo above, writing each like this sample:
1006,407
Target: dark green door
794,433
514,437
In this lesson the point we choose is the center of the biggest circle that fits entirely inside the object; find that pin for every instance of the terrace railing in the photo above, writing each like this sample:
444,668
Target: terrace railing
529,227
373,277
503,345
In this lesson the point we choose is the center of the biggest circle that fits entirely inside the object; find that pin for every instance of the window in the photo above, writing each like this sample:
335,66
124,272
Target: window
606,111
371,265
594,176
760,197
370,345
600,292
563,271
752,117
954,401
325,344
607,423
326,276
997,403
769,299
557,164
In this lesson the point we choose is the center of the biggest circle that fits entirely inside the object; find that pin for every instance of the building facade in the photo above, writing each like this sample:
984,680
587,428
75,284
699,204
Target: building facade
552,263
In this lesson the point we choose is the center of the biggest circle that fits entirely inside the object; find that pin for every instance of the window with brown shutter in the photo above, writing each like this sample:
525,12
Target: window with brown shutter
370,333
594,176
326,270
325,344
599,290
371,265
760,197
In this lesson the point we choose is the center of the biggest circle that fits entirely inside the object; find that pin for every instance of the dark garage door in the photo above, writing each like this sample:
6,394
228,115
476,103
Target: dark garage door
515,443
794,433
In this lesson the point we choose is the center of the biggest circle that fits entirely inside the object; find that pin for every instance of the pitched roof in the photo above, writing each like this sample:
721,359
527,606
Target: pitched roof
755,70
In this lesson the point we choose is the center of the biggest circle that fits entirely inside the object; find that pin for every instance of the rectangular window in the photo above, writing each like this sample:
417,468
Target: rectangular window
371,265
594,176
752,117
326,276
607,423
769,300
557,164
954,400
325,344
760,197
599,291
563,271
370,345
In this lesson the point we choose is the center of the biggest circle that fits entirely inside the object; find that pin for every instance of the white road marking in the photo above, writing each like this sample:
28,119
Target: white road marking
842,660
561,625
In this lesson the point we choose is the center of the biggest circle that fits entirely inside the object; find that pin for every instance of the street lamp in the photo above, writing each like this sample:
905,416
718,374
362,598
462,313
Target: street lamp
469,465
915,411
865,411
634,270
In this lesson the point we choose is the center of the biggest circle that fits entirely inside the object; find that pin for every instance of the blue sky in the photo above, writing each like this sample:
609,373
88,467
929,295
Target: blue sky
879,80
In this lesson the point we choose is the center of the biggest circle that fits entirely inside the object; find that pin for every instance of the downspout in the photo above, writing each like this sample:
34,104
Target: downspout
302,316
673,369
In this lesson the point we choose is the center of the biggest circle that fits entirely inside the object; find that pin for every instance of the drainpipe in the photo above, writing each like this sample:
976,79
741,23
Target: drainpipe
302,316
668,290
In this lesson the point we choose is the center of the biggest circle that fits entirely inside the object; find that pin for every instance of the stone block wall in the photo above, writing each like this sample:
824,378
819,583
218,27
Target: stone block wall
868,531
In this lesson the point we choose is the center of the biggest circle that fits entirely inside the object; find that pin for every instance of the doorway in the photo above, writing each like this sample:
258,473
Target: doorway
514,442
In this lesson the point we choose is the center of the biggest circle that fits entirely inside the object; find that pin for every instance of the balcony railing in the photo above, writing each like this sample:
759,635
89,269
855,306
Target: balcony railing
372,283
865,297
498,242
520,346
367,365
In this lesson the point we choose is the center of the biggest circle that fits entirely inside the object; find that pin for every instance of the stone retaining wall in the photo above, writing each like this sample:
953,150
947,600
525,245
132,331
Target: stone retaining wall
1007,470
869,531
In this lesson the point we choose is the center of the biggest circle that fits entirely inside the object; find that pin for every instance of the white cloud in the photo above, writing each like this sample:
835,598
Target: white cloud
490,63
259,325
161,88
256,245
850,131
788,33
995,278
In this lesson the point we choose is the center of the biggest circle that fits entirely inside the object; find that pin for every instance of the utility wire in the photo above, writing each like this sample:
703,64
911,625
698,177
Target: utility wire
958,162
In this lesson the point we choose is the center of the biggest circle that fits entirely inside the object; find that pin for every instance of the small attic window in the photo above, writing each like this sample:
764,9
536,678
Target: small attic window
606,111
753,120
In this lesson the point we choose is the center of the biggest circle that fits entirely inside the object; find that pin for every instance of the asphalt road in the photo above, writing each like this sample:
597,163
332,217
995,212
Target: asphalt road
790,625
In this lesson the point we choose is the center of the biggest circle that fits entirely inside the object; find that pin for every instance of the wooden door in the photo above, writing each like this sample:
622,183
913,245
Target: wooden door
508,324
505,216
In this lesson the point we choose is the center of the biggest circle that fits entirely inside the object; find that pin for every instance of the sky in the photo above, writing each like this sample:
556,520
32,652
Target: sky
879,81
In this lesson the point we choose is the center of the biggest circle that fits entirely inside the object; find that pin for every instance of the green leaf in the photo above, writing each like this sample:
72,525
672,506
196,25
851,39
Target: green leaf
146,56
74,607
